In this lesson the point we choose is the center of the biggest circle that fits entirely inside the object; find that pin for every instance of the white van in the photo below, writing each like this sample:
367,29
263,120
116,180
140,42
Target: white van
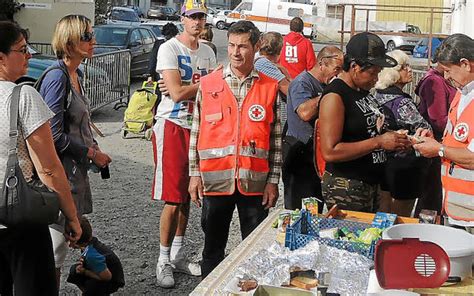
272,15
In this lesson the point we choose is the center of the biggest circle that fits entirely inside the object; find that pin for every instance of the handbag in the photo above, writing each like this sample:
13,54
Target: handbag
21,202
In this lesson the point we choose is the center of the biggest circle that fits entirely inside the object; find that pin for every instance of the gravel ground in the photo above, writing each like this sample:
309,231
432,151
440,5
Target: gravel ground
126,219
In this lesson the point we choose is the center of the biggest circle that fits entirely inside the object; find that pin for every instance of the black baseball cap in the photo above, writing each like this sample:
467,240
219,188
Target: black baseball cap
369,48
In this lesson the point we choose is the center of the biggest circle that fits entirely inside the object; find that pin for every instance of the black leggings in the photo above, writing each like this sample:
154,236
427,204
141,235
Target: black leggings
215,221
90,286
27,262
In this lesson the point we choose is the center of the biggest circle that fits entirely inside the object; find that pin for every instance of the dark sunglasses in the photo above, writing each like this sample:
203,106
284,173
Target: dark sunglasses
87,36
196,16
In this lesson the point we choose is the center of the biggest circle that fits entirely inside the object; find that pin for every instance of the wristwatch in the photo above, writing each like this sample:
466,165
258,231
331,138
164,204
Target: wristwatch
441,151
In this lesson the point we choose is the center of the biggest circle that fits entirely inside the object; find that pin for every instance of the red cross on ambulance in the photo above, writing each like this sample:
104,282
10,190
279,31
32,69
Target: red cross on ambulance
461,131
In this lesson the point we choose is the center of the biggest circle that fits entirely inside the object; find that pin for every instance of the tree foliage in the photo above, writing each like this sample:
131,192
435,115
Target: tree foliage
8,8
100,9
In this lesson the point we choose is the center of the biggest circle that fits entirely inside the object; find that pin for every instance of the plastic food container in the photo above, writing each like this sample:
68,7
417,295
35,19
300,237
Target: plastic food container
458,244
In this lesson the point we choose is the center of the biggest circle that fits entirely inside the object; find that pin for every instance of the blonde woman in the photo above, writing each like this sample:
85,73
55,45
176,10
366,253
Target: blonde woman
61,88
26,257
405,172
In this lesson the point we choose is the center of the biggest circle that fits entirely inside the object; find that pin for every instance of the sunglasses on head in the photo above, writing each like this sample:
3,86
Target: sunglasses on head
87,36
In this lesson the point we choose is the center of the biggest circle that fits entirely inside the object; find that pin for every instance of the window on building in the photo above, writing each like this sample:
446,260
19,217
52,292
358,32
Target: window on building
72,1
315,10
334,11
300,1
295,12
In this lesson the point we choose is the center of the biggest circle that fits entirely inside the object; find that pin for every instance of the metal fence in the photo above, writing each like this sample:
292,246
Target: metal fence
106,76
107,79
410,88
44,48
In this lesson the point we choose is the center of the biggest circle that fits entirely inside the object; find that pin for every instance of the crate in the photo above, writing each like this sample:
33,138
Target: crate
307,228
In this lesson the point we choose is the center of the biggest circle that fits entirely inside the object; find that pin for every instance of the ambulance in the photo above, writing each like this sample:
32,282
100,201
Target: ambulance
273,15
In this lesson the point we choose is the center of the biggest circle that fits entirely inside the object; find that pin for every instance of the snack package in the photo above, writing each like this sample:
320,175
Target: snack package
369,235
384,220
284,219
310,204
344,232
295,215
428,216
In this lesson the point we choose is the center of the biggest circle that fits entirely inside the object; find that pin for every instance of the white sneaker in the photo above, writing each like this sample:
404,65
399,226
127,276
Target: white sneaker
164,275
183,265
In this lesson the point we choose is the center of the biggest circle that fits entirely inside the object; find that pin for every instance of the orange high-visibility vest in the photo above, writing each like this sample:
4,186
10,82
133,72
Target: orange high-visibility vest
234,142
458,182
319,162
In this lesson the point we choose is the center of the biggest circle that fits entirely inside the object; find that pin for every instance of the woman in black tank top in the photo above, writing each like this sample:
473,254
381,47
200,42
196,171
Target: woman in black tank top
350,127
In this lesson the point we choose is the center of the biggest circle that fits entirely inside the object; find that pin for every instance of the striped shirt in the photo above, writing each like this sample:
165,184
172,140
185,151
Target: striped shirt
265,66
239,89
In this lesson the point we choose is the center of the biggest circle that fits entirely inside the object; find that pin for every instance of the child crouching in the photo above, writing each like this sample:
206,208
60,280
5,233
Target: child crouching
99,271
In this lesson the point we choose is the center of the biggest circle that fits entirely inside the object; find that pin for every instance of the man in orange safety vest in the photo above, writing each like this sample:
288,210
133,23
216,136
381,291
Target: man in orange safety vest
235,145
457,149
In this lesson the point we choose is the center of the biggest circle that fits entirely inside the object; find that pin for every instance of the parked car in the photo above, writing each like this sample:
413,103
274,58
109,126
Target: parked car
157,26
404,43
39,62
139,40
122,15
421,49
137,9
211,12
219,19
163,13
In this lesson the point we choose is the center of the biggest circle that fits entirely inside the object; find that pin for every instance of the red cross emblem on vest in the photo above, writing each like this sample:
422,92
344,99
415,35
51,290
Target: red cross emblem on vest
461,131
256,113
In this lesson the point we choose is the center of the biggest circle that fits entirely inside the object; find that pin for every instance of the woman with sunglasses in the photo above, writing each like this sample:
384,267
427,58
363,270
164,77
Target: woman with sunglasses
62,90
405,172
26,257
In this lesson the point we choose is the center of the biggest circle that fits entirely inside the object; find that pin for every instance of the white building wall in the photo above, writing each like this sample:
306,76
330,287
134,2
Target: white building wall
360,15
462,18
40,17
446,19
144,6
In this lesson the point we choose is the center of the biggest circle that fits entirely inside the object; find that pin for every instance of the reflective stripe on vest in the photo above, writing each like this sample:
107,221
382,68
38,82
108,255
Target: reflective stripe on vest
253,152
459,206
458,173
219,181
252,181
216,152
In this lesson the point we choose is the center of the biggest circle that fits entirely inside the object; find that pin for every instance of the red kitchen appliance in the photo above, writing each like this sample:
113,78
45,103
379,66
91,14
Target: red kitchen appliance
410,263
